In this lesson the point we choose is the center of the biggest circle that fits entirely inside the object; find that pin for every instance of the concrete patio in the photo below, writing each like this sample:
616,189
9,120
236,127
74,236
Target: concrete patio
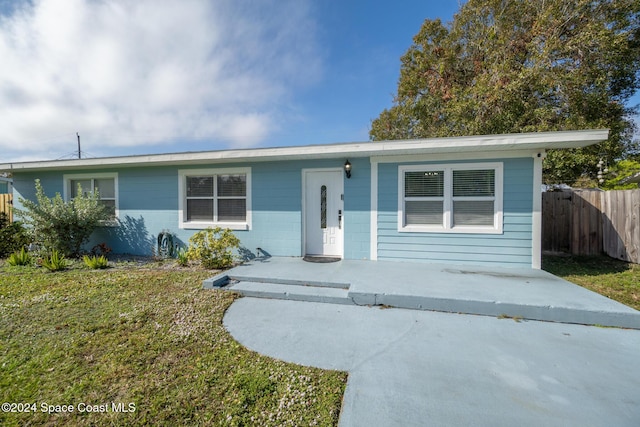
499,292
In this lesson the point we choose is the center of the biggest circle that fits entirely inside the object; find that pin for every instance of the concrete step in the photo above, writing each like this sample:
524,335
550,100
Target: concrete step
624,317
526,294
291,292
281,281
620,316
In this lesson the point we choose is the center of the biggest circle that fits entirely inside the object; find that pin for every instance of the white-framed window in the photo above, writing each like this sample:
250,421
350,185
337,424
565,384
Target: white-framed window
215,197
454,198
106,184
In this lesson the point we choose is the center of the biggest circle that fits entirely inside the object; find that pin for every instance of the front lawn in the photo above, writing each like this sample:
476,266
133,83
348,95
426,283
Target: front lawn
615,279
142,346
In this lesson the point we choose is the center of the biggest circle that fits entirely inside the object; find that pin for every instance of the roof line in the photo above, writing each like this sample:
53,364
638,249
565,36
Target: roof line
504,142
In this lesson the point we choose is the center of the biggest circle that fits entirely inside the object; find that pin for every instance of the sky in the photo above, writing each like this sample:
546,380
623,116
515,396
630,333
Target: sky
158,76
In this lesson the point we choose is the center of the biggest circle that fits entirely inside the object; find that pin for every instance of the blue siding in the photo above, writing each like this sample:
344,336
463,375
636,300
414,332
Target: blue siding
148,204
512,247
277,207
357,208
24,186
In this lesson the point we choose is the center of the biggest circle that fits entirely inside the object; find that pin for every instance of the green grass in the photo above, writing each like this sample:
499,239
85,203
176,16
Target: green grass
615,279
144,336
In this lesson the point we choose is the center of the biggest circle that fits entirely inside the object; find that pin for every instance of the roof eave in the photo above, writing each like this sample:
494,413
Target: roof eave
508,142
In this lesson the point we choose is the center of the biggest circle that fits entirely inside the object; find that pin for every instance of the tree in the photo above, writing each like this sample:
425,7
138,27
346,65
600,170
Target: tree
618,175
63,226
520,66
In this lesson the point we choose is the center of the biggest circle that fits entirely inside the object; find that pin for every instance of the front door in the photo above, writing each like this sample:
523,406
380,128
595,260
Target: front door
323,213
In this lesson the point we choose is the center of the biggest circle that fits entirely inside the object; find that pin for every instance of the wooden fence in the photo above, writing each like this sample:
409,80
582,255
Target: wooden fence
6,201
592,222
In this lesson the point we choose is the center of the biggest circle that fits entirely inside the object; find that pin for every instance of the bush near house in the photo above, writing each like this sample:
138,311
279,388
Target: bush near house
63,226
13,236
212,247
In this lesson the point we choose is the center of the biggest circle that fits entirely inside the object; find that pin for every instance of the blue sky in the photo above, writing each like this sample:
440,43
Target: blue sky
155,76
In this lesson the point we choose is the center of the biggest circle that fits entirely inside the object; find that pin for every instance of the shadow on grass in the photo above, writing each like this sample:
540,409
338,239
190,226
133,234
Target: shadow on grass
583,265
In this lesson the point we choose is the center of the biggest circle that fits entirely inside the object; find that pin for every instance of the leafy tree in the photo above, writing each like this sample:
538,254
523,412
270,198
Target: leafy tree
61,226
618,173
520,66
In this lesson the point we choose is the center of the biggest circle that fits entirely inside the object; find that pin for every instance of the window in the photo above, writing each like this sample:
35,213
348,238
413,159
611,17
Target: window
451,198
106,184
215,198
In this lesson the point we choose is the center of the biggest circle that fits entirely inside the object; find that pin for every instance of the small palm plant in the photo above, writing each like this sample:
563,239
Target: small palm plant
55,262
95,262
19,258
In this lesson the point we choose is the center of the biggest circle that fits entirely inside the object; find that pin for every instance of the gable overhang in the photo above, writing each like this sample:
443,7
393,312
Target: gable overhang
506,143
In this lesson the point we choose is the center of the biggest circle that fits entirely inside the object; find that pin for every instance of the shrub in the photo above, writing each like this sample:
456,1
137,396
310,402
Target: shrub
101,249
55,262
95,262
212,247
63,226
13,236
19,258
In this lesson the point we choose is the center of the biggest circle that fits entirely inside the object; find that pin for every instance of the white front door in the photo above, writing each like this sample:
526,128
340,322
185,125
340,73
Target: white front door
323,209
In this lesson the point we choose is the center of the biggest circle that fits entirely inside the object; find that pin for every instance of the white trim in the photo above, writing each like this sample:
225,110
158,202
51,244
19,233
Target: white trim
447,222
471,156
536,212
431,146
200,225
303,208
66,189
373,229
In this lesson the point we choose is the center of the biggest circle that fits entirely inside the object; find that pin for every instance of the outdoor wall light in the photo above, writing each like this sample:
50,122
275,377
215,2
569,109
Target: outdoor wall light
347,169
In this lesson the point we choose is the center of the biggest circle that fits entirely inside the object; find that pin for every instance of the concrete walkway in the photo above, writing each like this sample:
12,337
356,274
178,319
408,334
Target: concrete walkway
425,368
500,292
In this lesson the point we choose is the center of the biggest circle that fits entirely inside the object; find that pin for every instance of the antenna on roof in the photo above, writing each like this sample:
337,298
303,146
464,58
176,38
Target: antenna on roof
79,152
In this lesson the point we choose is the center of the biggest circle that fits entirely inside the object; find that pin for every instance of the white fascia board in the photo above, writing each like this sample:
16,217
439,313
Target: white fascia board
465,144
459,155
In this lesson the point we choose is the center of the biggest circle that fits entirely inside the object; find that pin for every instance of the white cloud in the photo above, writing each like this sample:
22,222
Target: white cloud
144,72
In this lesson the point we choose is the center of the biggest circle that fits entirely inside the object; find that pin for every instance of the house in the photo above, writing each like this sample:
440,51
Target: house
469,199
